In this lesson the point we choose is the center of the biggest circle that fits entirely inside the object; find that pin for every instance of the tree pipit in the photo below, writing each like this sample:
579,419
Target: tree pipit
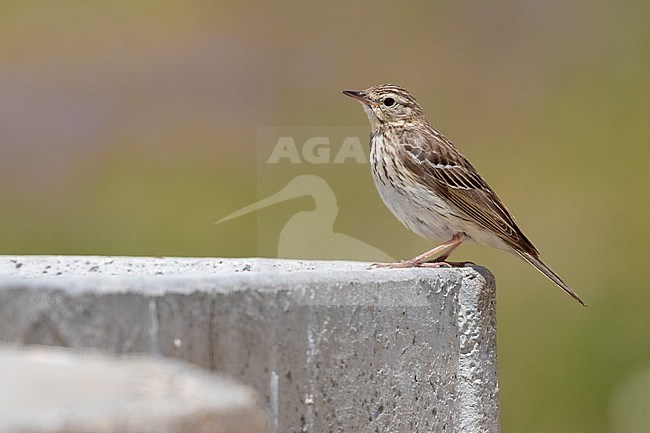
432,188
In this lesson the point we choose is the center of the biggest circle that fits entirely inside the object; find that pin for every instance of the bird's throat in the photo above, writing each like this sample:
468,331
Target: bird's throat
374,120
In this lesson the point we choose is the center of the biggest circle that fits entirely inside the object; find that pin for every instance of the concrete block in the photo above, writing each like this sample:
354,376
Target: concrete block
54,390
331,346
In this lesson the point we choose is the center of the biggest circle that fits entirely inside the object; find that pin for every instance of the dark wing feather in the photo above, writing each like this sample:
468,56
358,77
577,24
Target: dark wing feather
434,160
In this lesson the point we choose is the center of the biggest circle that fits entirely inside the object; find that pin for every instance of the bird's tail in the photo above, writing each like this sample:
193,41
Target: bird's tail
550,273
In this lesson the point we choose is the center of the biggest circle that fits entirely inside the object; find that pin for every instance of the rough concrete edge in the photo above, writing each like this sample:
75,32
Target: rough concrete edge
228,281
477,323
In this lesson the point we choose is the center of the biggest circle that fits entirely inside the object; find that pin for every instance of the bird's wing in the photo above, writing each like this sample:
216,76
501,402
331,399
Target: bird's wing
434,161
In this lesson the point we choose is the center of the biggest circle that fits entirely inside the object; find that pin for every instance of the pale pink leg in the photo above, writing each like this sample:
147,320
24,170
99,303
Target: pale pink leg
444,250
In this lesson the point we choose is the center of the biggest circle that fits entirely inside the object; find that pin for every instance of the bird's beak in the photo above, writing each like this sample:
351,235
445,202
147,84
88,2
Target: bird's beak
358,95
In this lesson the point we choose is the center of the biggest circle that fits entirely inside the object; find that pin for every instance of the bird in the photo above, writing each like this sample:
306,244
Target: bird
433,189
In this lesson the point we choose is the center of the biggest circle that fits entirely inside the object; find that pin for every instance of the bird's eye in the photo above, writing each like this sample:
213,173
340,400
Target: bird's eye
389,102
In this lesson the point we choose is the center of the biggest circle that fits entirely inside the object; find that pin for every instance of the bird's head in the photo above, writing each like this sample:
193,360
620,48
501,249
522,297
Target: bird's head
388,104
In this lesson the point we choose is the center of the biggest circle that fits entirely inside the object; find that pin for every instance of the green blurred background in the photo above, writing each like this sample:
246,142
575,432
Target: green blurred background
129,128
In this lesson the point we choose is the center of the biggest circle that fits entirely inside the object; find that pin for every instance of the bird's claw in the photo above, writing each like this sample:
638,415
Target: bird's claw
382,265
452,264
396,265
435,265
413,264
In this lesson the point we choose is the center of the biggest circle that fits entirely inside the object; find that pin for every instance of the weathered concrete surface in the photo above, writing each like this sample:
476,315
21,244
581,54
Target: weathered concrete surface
332,346
53,390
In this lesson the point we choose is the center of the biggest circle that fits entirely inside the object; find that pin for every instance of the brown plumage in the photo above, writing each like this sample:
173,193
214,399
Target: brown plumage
432,188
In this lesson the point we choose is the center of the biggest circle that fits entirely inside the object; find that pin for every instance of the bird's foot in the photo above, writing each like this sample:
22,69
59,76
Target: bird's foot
446,264
435,265
395,265
414,264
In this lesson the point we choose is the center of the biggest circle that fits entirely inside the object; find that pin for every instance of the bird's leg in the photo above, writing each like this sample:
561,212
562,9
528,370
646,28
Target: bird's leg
443,249
441,261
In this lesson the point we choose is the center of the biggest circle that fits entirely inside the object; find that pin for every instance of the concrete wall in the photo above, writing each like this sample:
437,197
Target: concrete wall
331,346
